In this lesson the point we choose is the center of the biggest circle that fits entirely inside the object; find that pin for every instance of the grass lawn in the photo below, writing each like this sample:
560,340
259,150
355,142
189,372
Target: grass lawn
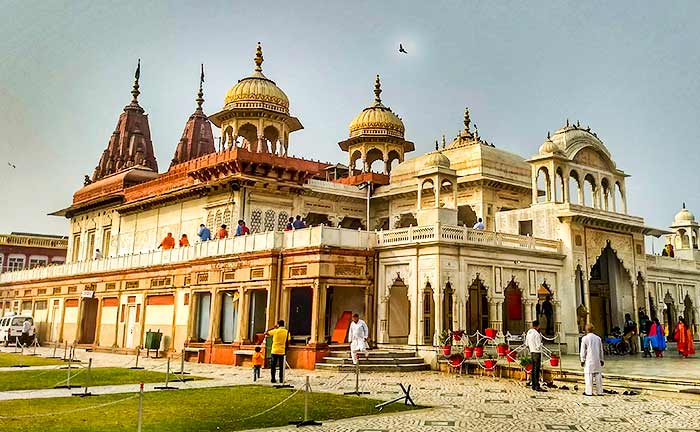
212,409
10,359
48,378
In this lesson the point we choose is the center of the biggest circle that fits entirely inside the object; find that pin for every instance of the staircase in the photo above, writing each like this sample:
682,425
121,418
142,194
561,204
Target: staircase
378,361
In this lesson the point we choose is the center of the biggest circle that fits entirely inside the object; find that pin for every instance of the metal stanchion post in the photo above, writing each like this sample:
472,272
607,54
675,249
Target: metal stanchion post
167,379
140,407
21,358
306,421
53,356
88,381
138,353
357,391
182,372
65,351
70,363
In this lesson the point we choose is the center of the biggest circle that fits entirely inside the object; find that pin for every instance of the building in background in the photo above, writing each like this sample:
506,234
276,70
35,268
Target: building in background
19,251
389,237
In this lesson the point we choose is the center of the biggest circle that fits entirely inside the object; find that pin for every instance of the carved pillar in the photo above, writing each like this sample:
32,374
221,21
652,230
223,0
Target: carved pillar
365,165
552,186
215,317
387,168
420,197
565,188
316,313
240,316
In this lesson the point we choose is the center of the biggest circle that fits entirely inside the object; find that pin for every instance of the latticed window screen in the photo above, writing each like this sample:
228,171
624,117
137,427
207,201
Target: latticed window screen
217,219
282,221
227,217
255,220
270,220
210,219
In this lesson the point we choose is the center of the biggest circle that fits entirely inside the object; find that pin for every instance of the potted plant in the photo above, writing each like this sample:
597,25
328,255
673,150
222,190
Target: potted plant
455,360
489,362
446,340
457,335
501,349
526,363
490,333
468,349
479,349
554,360
511,356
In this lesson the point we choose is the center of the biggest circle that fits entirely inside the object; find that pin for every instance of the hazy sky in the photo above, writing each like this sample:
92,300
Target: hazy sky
629,69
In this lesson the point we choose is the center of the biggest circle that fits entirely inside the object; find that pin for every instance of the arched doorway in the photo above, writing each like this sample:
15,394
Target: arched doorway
477,307
513,310
399,313
611,292
428,314
688,312
670,315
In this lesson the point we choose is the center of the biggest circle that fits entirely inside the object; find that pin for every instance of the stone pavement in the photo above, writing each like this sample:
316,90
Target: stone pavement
671,366
459,403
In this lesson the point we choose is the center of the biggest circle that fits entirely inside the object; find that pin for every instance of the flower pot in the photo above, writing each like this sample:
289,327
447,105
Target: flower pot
501,350
554,361
490,333
528,368
489,363
456,360
446,350
511,356
479,351
468,352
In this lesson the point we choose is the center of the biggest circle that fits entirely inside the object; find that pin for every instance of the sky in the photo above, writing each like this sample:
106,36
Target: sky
628,69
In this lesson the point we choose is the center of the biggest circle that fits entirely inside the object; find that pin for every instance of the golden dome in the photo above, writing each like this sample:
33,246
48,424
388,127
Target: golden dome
377,119
257,91
437,159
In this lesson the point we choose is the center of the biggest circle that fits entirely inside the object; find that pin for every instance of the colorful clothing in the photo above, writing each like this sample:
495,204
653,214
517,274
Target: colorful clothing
258,359
168,242
279,340
684,337
658,338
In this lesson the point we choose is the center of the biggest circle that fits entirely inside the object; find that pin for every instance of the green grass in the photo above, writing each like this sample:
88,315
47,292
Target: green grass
212,409
10,359
43,379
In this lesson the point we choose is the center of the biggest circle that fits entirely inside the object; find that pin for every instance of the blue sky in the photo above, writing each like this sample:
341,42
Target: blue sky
628,69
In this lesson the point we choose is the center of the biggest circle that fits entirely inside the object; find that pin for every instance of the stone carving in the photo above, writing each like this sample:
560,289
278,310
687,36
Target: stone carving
621,244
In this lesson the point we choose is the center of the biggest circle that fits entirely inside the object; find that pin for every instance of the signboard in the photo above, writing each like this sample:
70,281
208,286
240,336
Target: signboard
87,294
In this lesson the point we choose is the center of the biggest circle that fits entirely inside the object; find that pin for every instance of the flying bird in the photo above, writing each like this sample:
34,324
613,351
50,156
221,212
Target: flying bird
401,50
12,165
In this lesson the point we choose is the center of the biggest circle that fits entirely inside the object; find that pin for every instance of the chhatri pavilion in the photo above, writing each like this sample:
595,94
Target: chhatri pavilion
388,236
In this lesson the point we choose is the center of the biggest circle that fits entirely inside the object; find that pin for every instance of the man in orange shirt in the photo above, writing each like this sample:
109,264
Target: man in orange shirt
258,362
168,242
222,233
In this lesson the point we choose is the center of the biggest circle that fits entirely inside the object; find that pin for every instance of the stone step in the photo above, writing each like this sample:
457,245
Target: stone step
374,354
374,361
374,368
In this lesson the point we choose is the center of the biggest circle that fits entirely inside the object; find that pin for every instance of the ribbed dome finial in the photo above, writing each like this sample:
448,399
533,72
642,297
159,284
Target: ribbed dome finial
200,94
377,91
467,120
258,58
135,91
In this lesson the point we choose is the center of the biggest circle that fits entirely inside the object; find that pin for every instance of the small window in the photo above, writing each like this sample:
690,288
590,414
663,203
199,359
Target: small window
525,227
15,263
578,240
40,305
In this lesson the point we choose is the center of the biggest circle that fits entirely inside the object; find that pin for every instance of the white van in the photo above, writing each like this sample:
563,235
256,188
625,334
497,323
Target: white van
11,328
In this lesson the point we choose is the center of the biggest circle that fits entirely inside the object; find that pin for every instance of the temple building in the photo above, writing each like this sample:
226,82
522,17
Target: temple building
396,246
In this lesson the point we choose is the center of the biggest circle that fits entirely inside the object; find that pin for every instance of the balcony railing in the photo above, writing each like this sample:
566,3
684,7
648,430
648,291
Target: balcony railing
675,263
33,241
463,235
274,240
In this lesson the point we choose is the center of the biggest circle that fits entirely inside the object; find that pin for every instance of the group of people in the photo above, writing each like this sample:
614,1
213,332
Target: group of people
654,337
668,251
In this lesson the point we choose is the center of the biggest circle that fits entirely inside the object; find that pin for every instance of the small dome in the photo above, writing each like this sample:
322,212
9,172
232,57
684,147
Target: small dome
684,216
548,147
377,119
437,159
257,91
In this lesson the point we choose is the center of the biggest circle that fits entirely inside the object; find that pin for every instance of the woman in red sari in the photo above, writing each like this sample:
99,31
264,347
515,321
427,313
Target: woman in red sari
684,336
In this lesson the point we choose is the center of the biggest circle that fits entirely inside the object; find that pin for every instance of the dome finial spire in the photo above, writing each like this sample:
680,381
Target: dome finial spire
467,120
684,205
200,94
377,91
135,90
258,58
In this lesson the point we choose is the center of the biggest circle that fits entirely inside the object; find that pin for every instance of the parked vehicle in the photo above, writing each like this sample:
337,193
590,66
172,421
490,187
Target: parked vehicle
11,328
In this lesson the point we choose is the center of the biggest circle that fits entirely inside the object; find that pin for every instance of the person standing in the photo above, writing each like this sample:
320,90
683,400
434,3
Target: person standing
168,242
358,335
280,336
592,361
258,362
479,225
241,229
290,224
298,223
548,312
98,254
222,233
533,341
184,241
684,337
26,331
630,333
658,338
204,233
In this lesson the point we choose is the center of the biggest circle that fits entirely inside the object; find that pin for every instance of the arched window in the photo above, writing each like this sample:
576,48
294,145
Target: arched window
375,160
619,199
255,220
356,161
270,220
559,186
282,221
589,190
446,193
226,219
605,194
543,192
428,314
427,194
447,302
574,188
218,219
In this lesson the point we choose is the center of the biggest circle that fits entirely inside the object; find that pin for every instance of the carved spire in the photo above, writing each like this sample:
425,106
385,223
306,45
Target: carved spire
684,206
200,94
444,143
258,58
135,91
436,145
467,120
377,91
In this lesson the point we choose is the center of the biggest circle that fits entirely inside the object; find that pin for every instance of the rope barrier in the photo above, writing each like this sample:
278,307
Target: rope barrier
29,416
271,408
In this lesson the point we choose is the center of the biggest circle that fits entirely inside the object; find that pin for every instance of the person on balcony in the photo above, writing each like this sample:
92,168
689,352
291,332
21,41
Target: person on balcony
290,224
479,225
242,229
168,242
222,233
204,233
98,254
298,223
184,241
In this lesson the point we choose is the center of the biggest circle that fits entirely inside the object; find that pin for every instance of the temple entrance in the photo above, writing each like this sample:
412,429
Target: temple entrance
477,308
341,303
300,303
513,310
399,313
611,293
670,315
88,324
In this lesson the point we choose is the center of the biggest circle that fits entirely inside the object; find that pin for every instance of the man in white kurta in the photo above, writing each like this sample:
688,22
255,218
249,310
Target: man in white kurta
592,361
358,335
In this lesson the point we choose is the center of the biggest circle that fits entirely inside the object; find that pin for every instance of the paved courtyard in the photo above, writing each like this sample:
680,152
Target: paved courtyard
456,403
